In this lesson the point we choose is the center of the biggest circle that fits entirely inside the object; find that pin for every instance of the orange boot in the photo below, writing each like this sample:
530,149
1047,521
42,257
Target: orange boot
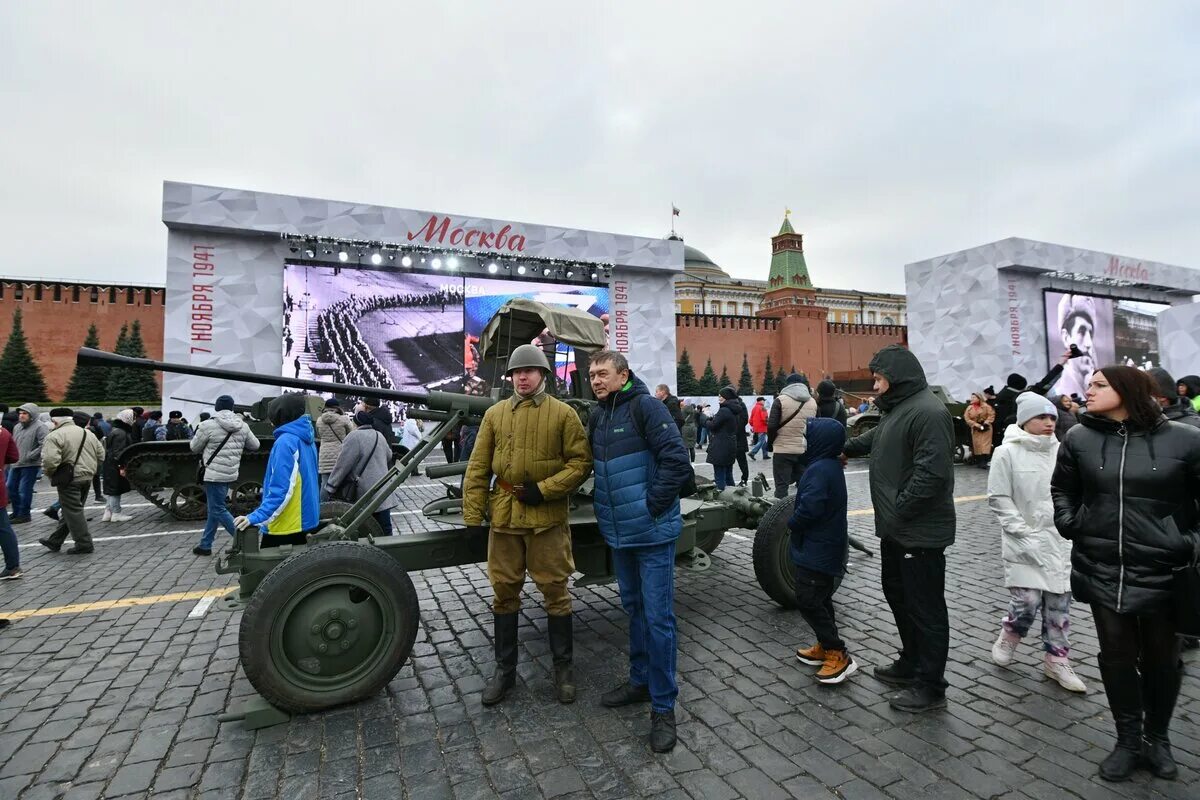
837,667
813,656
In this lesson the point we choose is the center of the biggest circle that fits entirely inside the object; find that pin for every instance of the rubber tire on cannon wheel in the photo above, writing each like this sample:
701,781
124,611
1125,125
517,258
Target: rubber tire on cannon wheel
335,508
772,563
359,582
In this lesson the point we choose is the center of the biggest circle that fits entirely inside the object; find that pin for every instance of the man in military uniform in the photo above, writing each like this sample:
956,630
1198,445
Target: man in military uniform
530,453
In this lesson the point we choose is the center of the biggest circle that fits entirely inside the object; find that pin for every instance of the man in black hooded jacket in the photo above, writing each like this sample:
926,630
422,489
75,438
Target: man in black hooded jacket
912,491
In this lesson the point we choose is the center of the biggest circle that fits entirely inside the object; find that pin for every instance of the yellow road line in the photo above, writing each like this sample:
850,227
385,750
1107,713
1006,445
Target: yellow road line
969,498
126,602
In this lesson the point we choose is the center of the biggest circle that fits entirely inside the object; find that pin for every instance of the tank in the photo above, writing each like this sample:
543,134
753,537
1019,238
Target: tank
332,621
165,472
962,434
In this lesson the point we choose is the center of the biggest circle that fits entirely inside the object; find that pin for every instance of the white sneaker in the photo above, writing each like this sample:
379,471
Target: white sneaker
119,517
1004,648
1061,671
106,516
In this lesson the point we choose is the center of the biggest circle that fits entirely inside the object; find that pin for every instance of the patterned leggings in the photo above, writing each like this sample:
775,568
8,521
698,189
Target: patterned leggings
1056,612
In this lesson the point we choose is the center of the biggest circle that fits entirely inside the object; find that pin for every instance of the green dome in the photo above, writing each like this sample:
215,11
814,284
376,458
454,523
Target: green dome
696,262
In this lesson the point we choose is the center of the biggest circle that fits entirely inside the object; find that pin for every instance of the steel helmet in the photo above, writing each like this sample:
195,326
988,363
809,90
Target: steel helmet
527,355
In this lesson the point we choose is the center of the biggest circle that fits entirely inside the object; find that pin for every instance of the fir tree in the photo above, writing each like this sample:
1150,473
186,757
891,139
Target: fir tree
724,379
88,384
685,376
780,380
746,381
769,387
147,387
708,381
21,378
131,385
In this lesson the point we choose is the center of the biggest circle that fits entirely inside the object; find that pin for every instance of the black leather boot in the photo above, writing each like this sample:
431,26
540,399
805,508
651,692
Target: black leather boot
562,647
1123,686
1160,688
504,677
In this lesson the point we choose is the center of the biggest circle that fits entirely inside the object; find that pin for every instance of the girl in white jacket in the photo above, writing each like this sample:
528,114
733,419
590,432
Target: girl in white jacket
1037,561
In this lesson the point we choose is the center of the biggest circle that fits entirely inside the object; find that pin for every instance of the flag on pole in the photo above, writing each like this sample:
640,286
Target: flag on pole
674,210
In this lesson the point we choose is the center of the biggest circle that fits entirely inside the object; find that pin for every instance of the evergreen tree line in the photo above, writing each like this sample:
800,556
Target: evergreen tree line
21,379
708,384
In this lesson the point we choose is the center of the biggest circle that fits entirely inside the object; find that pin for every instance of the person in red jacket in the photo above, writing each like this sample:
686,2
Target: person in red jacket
758,426
8,538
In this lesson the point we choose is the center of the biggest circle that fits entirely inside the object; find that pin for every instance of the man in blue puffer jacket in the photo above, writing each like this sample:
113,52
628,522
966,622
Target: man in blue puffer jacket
640,465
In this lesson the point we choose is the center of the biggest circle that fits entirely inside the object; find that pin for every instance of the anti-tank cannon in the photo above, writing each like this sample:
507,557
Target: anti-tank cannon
332,621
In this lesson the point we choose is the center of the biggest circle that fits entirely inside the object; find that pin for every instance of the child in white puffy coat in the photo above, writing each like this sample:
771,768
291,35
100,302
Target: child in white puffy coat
1037,561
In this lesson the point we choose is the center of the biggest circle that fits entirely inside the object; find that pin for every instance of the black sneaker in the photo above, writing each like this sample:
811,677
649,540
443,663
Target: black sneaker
52,513
896,674
49,545
19,520
80,551
916,699
626,695
11,574
201,551
662,731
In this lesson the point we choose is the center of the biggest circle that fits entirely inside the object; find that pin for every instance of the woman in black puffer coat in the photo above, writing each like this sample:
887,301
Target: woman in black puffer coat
1125,490
743,419
722,445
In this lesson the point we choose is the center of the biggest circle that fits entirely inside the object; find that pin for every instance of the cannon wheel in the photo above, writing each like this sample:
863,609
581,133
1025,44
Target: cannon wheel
330,625
772,564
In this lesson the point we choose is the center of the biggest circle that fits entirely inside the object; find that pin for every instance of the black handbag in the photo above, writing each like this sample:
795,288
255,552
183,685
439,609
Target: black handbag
64,474
1186,587
203,464
347,491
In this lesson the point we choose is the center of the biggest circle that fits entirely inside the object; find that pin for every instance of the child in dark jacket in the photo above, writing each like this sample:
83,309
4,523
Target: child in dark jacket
819,548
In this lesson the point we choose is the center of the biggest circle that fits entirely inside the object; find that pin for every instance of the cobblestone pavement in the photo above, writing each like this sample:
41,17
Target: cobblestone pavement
121,700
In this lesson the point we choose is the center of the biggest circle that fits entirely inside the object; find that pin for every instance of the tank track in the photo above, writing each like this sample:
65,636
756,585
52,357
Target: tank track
187,501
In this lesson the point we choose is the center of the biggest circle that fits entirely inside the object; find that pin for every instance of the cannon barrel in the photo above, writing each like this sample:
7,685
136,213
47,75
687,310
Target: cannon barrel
475,406
238,408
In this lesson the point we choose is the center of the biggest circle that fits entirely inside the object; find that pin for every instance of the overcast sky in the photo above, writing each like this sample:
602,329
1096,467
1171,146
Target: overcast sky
894,131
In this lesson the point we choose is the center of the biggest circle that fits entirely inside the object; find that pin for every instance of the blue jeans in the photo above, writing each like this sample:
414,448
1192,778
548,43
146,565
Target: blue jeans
760,444
384,518
217,513
8,542
646,577
701,435
723,476
20,488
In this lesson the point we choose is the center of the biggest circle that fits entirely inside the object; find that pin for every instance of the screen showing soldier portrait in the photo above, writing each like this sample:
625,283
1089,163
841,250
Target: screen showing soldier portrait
404,330
1105,330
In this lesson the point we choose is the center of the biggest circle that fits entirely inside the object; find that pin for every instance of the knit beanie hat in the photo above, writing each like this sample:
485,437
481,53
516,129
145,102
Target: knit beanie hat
155,415
224,403
57,413
333,402
795,377
127,416
729,393
1030,405
1017,381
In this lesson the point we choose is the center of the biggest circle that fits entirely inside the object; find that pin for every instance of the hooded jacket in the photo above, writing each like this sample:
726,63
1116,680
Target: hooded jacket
758,418
1127,500
827,402
689,426
1181,411
64,442
820,535
30,436
912,461
332,430
789,416
120,436
1035,556
227,462
291,499
640,464
1192,384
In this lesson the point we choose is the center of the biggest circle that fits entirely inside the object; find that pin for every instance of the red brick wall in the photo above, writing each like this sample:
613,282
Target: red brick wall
808,342
56,329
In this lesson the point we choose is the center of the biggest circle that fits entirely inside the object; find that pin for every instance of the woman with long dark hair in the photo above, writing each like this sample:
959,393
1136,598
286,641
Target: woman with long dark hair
1125,489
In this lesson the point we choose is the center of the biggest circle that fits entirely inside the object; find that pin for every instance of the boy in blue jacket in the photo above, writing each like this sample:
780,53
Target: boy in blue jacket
291,498
819,548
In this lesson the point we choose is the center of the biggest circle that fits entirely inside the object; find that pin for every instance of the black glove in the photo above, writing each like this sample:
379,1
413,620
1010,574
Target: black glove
531,495
477,530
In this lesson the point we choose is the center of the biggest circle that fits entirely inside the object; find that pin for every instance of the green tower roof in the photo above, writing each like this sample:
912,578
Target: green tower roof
788,267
